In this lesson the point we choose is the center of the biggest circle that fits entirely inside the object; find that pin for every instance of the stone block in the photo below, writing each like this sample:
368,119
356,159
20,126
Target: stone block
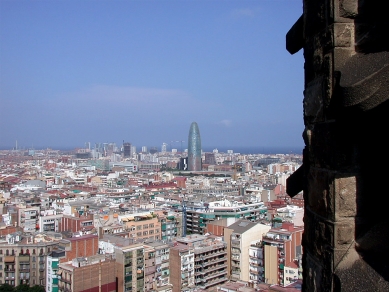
345,233
345,10
348,8
345,194
343,34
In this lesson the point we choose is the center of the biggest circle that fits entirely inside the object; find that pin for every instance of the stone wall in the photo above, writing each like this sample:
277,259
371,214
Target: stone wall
345,159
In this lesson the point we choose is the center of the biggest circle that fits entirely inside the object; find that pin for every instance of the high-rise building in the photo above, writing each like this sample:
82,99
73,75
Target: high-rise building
194,148
127,150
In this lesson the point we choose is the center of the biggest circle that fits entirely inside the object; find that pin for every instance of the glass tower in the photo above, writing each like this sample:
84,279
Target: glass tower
194,148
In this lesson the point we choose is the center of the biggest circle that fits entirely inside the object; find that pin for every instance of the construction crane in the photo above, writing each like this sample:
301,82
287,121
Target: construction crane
181,144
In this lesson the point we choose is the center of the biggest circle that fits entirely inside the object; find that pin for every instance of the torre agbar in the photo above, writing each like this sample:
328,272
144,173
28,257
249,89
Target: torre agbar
194,148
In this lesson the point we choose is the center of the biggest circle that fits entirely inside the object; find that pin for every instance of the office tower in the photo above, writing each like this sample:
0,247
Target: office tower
194,148
126,149
144,149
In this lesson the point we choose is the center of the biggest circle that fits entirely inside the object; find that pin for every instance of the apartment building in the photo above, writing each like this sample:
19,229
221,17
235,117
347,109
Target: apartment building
141,225
52,264
130,268
171,227
293,214
28,218
282,250
94,273
23,258
239,236
157,273
181,262
81,246
50,223
198,262
256,265
210,263
198,218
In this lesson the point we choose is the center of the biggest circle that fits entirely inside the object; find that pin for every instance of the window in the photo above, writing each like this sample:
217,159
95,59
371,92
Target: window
145,226
151,225
1,251
138,227
145,233
139,234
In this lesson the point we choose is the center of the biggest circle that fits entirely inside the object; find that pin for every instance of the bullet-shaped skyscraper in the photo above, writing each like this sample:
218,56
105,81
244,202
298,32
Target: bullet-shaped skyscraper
194,148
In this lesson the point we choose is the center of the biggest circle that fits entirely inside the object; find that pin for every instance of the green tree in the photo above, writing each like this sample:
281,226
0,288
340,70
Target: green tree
6,288
22,288
37,288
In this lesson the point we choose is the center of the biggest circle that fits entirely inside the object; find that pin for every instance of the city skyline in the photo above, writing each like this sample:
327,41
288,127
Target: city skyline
98,71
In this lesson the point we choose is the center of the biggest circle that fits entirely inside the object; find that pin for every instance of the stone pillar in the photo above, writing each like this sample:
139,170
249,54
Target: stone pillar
346,117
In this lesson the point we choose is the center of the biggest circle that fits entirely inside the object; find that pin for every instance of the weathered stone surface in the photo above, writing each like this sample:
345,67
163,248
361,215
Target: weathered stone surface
356,275
345,194
313,101
319,200
348,8
343,34
364,80
345,232
340,57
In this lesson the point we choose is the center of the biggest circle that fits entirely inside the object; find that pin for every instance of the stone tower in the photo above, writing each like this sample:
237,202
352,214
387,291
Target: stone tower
345,159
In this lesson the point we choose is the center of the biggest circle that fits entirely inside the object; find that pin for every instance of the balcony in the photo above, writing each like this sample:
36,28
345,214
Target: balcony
66,280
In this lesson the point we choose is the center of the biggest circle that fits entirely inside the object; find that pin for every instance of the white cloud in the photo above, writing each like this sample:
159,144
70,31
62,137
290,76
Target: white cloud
225,122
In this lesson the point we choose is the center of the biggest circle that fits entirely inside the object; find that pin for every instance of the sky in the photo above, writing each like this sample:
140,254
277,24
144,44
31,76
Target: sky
77,71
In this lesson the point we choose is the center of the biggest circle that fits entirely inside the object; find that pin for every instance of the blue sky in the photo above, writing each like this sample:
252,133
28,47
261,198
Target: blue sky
143,71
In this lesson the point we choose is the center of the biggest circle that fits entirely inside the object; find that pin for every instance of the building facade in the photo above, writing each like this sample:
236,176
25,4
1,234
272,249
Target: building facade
130,268
95,273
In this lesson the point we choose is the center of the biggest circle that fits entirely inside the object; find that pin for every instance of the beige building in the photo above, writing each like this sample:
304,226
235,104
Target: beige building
142,225
239,236
23,259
